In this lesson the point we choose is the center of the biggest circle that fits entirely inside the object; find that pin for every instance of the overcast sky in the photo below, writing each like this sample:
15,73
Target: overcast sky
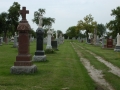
66,12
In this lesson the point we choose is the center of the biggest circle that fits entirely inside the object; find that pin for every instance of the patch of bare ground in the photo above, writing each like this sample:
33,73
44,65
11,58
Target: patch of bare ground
95,74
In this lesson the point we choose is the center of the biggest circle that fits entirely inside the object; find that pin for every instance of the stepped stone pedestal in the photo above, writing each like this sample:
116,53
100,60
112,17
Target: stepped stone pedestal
23,63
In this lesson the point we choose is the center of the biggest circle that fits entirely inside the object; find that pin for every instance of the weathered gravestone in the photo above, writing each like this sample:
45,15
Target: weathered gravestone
49,33
0,41
95,36
39,54
54,45
15,41
12,39
109,43
23,63
117,47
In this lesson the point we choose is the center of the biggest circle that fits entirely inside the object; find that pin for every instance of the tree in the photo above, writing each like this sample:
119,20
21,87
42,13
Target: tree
4,23
13,17
87,24
46,21
114,25
9,21
101,29
32,32
72,32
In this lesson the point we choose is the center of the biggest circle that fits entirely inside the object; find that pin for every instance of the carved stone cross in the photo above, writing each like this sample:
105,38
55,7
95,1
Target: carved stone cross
23,13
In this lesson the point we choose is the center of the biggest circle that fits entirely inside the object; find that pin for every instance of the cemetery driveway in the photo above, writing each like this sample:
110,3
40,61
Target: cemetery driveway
94,73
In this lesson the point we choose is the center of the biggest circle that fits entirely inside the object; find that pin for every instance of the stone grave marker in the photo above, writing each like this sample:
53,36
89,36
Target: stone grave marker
117,47
110,42
49,33
0,41
39,54
15,41
23,63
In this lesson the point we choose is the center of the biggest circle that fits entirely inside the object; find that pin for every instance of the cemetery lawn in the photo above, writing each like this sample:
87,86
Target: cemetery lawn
107,54
62,70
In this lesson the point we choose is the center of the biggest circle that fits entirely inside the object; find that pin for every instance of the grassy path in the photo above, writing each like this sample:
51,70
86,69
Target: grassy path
87,52
95,74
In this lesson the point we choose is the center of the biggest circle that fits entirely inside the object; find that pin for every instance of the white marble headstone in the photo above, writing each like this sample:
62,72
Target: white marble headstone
118,40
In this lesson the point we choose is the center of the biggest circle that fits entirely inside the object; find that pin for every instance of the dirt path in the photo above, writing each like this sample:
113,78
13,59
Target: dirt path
115,70
95,74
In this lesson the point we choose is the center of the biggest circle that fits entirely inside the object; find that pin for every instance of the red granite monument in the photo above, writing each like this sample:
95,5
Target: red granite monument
23,63
109,43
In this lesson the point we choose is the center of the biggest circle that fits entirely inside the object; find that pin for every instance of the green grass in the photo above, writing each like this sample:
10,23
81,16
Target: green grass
92,59
62,69
108,55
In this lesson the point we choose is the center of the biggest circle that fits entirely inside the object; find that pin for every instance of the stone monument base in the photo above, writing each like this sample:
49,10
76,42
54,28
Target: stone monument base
48,47
23,69
39,58
117,48
15,46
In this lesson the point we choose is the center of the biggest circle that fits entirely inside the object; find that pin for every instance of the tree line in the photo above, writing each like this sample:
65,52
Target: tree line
89,25
10,20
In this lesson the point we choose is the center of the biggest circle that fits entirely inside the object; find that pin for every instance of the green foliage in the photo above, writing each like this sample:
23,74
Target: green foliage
87,24
3,22
49,51
101,29
13,17
33,33
71,31
9,21
114,25
46,21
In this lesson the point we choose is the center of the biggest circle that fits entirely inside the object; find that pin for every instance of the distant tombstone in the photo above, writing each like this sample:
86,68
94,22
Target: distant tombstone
103,42
73,38
0,41
68,38
15,41
12,39
98,40
56,35
39,54
54,45
60,39
31,38
89,37
49,33
109,43
117,47
45,40
23,63
95,37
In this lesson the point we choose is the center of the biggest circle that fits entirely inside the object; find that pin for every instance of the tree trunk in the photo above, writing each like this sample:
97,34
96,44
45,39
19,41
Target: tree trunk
87,35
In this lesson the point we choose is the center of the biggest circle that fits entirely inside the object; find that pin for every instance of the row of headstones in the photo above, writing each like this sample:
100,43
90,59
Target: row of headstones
14,40
59,40
23,63
106,43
